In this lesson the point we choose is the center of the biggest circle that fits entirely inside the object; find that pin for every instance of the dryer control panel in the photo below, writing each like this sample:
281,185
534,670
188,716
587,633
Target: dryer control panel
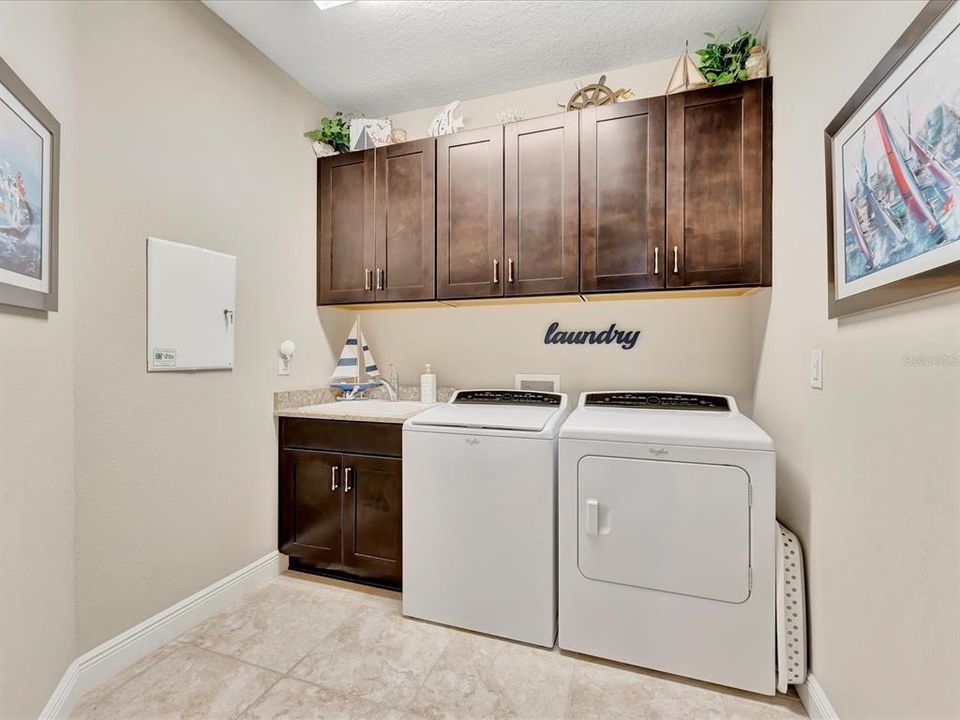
658,400
507,397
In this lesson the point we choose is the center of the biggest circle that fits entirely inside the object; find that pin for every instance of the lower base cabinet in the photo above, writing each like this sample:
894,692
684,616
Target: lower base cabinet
340,499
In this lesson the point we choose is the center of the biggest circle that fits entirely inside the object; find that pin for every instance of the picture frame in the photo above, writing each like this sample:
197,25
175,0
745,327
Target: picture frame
893,173
29,197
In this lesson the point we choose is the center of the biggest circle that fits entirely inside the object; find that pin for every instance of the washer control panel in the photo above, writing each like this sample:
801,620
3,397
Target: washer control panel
507,397
660,400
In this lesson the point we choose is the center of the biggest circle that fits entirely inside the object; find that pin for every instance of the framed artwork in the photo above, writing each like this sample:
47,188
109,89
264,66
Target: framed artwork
29,186
893,172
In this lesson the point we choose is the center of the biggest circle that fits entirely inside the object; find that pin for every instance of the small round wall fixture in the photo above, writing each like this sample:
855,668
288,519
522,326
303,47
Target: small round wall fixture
287,349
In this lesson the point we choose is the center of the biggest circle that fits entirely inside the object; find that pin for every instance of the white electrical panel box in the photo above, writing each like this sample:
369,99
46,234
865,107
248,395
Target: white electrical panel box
191,306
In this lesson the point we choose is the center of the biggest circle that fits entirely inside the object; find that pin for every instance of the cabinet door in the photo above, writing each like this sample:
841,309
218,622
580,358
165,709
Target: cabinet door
718,229
406,221
470,214
310,505
541,213
622,196
372,517
345,253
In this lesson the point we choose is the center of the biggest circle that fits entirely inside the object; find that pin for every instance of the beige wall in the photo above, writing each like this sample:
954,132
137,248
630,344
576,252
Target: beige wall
184,131
645,80
869,467
36,406
189,134
685,344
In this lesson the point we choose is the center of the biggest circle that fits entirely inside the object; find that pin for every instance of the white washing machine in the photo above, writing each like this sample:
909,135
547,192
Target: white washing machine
667,536
480,513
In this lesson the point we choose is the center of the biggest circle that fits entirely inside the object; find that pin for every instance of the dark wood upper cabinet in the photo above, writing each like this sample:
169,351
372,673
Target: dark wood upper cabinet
372,517
718,185
622,156
310,500
664,192
470,214
406,221
345,247
541,212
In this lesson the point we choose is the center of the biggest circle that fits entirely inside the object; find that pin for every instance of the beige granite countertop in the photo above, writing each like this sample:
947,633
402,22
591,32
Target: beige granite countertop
320,403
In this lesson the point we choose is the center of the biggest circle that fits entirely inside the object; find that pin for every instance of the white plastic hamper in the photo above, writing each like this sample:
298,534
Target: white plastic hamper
791,612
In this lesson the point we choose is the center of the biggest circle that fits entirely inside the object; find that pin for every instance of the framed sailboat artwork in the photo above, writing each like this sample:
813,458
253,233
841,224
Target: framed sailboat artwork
356,370
29,187
893,172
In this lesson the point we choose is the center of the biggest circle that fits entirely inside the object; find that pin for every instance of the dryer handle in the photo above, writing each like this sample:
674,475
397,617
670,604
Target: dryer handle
593,517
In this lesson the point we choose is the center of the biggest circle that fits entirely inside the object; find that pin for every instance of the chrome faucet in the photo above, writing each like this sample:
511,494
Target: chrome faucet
392,385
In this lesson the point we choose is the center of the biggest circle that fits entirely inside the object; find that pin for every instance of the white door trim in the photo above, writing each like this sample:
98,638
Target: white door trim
102,662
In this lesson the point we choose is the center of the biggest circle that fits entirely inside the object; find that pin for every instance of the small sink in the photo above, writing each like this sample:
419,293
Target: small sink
359,408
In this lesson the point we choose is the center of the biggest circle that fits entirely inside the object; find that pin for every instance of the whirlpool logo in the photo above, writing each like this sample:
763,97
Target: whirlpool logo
472,441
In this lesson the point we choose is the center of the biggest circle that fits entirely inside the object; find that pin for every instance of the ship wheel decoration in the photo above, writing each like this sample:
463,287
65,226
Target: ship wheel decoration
595,94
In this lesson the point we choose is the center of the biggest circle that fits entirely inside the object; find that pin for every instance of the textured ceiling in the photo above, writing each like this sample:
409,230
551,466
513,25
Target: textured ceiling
380,56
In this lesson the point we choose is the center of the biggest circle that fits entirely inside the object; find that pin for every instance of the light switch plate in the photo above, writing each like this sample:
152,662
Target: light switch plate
816,369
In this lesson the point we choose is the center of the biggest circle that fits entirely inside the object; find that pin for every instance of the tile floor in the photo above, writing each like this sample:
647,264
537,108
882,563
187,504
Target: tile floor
305,648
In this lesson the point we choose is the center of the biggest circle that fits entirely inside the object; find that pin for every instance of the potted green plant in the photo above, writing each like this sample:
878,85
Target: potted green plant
722,63
332,137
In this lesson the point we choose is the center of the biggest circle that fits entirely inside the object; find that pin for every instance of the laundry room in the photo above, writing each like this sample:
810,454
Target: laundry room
444,359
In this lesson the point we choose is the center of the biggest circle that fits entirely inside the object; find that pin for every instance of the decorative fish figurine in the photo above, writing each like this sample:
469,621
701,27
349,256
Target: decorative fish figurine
445,123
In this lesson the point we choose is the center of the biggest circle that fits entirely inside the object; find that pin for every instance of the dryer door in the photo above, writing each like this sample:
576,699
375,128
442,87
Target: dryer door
672,526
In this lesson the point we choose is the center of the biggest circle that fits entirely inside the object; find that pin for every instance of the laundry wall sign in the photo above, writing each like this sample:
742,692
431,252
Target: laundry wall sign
626,339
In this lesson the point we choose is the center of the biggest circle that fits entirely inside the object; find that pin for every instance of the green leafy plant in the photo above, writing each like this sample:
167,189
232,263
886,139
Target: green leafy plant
334,131
722,63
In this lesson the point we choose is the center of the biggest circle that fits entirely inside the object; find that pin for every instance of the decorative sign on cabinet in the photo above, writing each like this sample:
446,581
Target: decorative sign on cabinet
653,194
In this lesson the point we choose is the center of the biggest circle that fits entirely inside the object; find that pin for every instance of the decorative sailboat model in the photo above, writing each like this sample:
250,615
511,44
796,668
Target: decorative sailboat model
686,75
356,369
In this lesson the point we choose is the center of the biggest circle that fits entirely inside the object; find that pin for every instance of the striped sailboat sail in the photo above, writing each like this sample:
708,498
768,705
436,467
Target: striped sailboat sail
356,365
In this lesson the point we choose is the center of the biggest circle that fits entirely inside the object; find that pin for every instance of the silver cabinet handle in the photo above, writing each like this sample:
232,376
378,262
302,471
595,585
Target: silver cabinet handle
379,278
510,270
496,271
347,474
656,261
676,267
334,477
366,278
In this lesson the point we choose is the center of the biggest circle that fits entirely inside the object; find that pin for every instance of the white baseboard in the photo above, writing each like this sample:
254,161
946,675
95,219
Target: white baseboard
815,700
102,662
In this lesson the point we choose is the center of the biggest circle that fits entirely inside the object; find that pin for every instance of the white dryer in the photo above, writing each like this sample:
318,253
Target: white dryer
667,536
480,513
